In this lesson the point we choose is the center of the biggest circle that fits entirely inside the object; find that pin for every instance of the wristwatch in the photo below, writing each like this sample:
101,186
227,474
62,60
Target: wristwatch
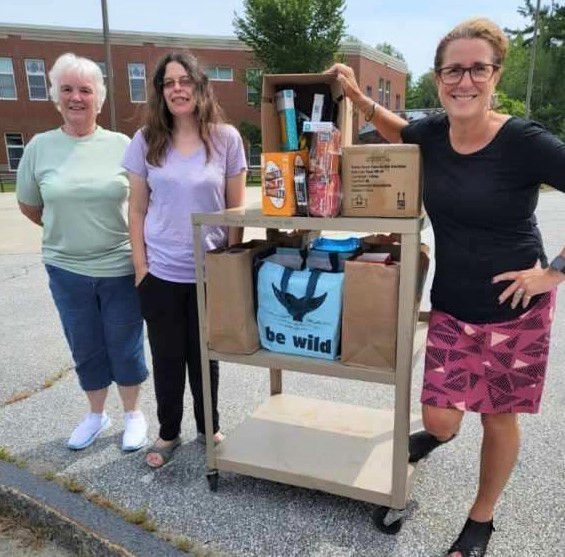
558,264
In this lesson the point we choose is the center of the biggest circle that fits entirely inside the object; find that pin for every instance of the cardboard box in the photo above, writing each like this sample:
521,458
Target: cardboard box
381,181
278,174
305,86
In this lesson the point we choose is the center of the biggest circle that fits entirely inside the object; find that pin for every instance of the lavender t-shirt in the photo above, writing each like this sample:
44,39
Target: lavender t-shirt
183,185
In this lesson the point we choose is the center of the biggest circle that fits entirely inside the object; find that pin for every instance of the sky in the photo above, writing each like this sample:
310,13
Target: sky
414,27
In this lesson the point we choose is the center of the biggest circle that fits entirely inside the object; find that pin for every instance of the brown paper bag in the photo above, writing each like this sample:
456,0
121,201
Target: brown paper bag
230,307
370,308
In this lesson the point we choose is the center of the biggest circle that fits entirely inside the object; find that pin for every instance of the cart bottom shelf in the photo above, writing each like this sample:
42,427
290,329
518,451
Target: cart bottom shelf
332,447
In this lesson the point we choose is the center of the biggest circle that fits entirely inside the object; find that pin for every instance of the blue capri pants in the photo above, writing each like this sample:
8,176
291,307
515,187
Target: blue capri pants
102,322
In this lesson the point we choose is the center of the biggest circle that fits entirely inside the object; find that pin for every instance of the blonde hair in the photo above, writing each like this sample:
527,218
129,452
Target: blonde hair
477,28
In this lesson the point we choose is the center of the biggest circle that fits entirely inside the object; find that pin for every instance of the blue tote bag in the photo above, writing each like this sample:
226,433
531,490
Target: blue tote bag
299,312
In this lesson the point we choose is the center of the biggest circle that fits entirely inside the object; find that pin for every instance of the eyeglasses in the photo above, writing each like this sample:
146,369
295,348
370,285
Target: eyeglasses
183,81
479,73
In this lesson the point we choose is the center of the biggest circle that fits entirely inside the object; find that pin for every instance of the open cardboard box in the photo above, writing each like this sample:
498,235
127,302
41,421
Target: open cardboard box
339,111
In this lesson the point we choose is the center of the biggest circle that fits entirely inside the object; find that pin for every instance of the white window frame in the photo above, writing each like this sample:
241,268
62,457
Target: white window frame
387,94
251,92
11,147
381,91
15,97
134,66
40,73
214,73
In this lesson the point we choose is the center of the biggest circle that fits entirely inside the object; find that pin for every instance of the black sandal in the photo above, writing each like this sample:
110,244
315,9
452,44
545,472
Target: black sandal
473,539
422,443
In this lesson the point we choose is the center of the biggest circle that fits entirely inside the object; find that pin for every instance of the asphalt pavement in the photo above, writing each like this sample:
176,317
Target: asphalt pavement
40,403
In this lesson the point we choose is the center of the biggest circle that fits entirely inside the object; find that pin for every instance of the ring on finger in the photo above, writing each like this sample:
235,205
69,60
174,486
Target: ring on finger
520,292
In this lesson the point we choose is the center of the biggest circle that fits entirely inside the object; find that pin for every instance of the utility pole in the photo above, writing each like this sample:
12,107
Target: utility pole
109,70
532,61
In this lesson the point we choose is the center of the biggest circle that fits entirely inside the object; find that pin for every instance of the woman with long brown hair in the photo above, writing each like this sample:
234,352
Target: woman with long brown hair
184,160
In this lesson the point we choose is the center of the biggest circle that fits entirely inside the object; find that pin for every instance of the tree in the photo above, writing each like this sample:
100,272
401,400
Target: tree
507,105
292,36
387,48
548,93
424,93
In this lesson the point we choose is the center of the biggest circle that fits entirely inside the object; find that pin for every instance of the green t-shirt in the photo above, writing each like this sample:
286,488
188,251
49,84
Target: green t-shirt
83,189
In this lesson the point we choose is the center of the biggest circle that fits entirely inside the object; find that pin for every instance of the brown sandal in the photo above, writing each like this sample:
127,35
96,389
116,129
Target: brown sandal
166,453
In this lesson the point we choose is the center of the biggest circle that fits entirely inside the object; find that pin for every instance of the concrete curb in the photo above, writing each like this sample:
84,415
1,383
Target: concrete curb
74,522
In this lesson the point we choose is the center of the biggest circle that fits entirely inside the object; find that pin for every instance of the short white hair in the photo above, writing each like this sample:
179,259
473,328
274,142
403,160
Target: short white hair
84,67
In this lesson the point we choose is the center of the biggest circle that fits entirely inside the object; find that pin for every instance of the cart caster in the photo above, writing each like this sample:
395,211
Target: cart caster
387,520
212,478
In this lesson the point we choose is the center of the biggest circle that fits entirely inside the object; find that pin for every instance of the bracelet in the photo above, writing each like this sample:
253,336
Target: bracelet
369,117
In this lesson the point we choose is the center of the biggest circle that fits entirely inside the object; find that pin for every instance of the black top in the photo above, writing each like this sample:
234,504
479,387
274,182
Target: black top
481,207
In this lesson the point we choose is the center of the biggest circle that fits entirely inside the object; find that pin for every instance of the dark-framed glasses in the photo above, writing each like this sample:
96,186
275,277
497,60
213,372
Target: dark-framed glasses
479,73
183,81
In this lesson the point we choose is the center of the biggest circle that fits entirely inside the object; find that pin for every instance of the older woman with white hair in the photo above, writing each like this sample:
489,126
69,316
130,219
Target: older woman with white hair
70,182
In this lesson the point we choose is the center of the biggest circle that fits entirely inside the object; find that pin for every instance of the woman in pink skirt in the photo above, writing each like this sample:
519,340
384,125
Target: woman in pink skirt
493,293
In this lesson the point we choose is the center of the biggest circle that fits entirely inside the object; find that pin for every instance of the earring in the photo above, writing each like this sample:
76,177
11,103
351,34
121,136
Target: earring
493,104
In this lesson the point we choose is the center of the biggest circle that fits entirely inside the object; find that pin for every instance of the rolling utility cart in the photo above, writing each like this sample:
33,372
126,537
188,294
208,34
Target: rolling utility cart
347,450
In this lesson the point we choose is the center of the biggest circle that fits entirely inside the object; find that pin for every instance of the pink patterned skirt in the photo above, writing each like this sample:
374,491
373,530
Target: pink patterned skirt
488,368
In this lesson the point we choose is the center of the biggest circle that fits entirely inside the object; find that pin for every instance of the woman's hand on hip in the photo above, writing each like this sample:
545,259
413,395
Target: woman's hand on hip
527,283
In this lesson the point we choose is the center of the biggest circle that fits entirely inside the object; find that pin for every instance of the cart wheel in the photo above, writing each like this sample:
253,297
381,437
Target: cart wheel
387,520
212,478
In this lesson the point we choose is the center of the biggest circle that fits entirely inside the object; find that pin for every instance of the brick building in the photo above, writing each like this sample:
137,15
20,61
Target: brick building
28,52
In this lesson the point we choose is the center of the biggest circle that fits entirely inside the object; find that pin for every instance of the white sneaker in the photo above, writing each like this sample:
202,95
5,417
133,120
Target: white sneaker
135,433
88,430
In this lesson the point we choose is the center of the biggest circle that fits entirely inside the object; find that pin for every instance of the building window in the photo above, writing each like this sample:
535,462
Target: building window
253,92
220,74
7,82
14,149
136,74
381,95
397,101
387,94
255,156
36,83
102,66
369,91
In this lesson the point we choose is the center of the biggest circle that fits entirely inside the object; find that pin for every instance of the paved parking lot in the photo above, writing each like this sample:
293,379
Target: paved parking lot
249,517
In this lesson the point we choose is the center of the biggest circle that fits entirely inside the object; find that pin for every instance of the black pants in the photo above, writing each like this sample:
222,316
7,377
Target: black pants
170,310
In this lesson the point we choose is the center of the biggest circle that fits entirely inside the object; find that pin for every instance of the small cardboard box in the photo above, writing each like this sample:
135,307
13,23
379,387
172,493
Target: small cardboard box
280,174
305,86
381,181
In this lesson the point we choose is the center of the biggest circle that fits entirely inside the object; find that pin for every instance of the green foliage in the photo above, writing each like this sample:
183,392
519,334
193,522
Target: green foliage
250,132
548,93
292,36
506,105
387,48
424,93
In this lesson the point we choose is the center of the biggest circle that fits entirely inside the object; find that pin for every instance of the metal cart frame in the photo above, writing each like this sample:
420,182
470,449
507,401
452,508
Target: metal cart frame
362,453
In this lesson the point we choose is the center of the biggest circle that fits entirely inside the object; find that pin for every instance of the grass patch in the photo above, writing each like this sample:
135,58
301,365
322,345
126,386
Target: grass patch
71,484
49,382
22,532
7,456
8,187
17,397
52,379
